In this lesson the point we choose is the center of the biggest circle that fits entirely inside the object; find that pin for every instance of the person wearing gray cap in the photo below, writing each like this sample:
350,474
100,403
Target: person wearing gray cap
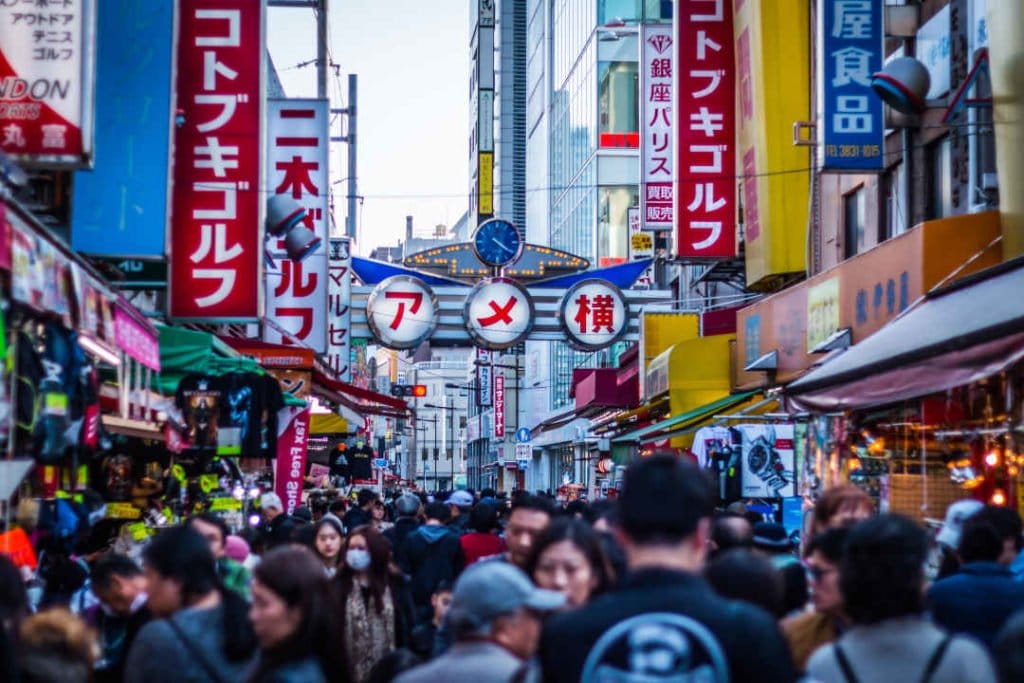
495,617
408,508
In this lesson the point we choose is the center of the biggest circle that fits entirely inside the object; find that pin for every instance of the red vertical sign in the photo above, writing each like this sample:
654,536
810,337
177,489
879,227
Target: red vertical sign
290,467
499,406
214,242
706,130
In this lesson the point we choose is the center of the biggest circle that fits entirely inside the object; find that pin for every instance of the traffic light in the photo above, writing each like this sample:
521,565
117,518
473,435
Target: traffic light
414,390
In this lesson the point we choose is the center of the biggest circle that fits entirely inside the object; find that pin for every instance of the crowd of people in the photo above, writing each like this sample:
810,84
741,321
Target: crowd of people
656,585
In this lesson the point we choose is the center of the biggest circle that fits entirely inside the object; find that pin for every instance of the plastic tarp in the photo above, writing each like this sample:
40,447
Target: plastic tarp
655,430
957,336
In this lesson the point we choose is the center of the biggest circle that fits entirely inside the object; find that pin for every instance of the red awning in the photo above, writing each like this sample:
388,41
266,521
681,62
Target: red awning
358,399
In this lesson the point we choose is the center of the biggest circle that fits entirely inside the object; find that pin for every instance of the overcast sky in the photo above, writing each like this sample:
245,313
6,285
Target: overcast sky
412,59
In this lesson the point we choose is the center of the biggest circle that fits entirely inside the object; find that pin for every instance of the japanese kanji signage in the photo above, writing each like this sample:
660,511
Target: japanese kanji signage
594,313
297,166
402,312
499,406
46,77
498,313
484,378
215,229
339,300
852,50
656,136
705,120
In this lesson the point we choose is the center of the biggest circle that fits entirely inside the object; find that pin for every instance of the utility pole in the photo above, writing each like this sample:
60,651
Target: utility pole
350,137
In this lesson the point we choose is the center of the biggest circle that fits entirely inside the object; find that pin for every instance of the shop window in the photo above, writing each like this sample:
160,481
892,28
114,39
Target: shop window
657,11
854,211
619,104
613,223
940,171
983,160
892,218
618,12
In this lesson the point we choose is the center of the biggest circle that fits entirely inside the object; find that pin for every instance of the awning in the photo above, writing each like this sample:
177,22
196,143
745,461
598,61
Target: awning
362,401
736,413
635,415
327,424
656,430
183,352
958,335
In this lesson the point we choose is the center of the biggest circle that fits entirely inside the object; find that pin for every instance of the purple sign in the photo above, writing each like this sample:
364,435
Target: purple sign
136,340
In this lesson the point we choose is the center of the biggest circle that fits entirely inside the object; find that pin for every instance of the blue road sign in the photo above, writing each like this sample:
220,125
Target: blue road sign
380,463
523,435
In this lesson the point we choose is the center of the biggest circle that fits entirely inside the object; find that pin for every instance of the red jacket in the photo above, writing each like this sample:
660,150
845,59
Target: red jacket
476,545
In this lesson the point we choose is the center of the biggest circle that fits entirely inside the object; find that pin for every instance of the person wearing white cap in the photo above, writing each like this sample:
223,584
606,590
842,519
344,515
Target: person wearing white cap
495,617
279,525
945,560
460,503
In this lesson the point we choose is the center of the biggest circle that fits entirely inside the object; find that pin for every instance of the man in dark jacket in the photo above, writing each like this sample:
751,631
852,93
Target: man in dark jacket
121,588
664,621
408,508
361,514
430,555
982,596
279,526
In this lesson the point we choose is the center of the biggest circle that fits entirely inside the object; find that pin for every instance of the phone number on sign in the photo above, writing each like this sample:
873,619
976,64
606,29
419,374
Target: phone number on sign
852,151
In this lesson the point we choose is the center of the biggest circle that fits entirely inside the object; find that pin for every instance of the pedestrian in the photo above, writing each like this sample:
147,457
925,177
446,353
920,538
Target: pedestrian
373,601
460,504
408,508
882,580
741,574
292,620
361,513
278,525
771,539
232,574
983,594
842,505
530,515
119,584
14,608
328,537
495,618
809,630
568,558
1009,650
55,646
481,538
730,530
237,549
302,532
430,555
202,632
664,619
945,560
379,515
424,636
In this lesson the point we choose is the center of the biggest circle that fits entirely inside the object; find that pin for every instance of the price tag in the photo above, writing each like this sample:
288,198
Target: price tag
138,531
123,511
178,472
225,504
209,482
55,404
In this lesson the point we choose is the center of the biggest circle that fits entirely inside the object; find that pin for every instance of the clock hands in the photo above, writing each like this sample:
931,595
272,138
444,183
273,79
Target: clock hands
502,245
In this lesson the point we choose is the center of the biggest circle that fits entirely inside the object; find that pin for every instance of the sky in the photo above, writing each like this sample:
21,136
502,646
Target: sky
412,59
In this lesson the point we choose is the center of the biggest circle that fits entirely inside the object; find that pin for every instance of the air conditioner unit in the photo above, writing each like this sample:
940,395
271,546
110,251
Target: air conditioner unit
989,181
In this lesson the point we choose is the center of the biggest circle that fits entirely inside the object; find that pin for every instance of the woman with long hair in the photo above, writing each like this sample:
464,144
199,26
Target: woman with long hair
292,620
569,558
374,602
328,537
202,632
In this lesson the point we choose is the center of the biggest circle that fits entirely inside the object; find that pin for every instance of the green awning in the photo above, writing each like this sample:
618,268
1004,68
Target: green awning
680,421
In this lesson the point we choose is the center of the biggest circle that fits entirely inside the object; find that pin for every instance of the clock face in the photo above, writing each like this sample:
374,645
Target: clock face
496,242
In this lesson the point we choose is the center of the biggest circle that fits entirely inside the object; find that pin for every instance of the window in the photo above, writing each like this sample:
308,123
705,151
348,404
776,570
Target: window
657,11
618,12
940,198
854,205
619,104
892,218
984,154
613,223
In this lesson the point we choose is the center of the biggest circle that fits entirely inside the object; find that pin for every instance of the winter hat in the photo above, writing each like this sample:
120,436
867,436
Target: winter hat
956,515
236,548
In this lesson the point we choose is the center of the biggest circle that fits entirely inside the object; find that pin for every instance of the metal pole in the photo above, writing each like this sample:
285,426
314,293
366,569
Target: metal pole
351,139
321,49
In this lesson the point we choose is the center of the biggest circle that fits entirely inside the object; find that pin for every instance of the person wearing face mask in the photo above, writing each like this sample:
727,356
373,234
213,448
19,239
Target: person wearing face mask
373,601
120,586
328,537
568,558
292,620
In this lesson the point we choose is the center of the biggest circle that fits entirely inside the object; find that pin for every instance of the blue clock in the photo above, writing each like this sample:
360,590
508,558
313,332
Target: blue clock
497,243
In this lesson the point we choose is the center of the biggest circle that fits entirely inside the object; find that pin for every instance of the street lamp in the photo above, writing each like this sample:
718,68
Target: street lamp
433,420
451,435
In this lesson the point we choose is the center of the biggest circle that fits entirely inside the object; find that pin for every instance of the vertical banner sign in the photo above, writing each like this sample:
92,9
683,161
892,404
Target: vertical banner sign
339,311
290,465
215,229
852,50
484,378
120,206
499,406
705,124
46,80
657,155
297,167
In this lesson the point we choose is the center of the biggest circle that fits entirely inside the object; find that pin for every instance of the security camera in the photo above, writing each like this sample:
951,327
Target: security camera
284,220
903,84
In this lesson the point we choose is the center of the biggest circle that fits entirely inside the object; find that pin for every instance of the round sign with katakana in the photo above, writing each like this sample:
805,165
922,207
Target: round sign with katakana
594,313
499,313
402,312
